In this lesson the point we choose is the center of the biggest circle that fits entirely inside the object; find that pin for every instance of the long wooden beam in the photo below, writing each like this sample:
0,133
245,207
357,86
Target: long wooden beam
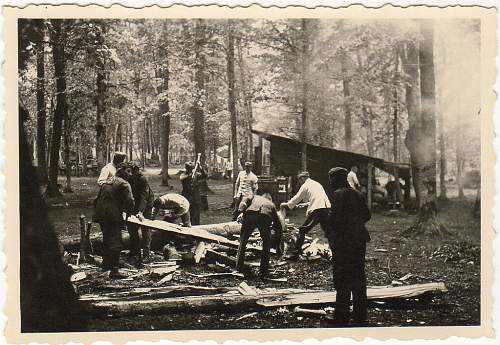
234,301
196,233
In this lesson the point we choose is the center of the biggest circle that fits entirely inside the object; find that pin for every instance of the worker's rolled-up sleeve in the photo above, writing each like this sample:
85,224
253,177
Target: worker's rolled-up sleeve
296,198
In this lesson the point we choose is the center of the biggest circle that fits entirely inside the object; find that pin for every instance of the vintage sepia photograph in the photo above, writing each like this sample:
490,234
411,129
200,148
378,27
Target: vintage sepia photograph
315,172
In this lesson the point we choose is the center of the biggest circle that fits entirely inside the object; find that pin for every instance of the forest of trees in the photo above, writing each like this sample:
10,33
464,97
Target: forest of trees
401,90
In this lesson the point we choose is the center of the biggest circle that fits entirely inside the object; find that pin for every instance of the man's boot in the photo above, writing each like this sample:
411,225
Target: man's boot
115,261
341,315
360,315
146,255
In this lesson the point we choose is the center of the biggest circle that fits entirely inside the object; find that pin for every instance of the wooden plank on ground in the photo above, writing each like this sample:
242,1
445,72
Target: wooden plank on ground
325,297
196,304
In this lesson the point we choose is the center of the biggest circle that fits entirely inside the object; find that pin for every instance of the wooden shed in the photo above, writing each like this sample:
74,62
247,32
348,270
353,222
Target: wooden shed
281,156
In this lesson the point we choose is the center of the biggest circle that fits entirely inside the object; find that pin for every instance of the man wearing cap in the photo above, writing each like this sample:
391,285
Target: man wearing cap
144,197
173,206
246,186
348,236
191,190
114,198
109,170
259,212
312,194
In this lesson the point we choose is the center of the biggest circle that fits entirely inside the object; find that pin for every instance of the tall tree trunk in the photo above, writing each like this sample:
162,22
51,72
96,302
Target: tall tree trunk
442,157
460,161
231,99
304,90
410,58
395,125
101,155
130,138
347,106
247,102
41,144
197,109
421,139
101,116
367,113
164,108
67,153
58,41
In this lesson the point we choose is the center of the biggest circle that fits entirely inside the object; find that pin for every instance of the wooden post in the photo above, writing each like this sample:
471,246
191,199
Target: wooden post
370,183
83,236
87,237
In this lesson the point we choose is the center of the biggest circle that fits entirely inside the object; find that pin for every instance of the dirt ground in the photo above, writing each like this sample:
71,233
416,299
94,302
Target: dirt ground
454,261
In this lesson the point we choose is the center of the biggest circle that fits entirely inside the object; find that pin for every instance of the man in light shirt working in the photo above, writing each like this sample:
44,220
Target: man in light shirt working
352,178
312,194
246,186
109,170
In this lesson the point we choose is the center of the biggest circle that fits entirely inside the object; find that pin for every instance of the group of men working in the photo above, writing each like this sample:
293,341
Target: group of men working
123,189
342,220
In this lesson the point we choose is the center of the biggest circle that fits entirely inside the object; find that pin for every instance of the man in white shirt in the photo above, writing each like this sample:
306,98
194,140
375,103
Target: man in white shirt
109,170
352,178
314,196
246,186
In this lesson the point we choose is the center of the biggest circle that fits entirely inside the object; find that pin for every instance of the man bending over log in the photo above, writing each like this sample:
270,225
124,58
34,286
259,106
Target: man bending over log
144,197
259,212
173,206
114,198
348,237
318,207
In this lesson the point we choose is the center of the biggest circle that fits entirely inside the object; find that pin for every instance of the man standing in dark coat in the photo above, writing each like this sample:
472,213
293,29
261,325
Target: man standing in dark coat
348,237
191,190
115,198
144,197
259,212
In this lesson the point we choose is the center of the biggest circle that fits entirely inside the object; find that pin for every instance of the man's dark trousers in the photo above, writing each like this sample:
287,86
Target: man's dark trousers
349,277
319,216
135,240
252,220
112,244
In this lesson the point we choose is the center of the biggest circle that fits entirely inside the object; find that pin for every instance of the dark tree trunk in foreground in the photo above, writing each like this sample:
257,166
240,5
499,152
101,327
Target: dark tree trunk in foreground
421,140
61,105
347,106
197,111
47,300
41,145
231,100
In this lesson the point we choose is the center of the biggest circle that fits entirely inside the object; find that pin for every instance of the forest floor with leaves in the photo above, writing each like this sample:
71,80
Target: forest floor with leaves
454,260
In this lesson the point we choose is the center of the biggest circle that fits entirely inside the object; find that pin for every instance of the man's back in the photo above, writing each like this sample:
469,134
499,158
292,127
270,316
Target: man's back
115,197
349,215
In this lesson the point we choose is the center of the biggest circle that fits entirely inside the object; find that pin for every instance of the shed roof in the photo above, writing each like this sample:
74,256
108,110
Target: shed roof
387,166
